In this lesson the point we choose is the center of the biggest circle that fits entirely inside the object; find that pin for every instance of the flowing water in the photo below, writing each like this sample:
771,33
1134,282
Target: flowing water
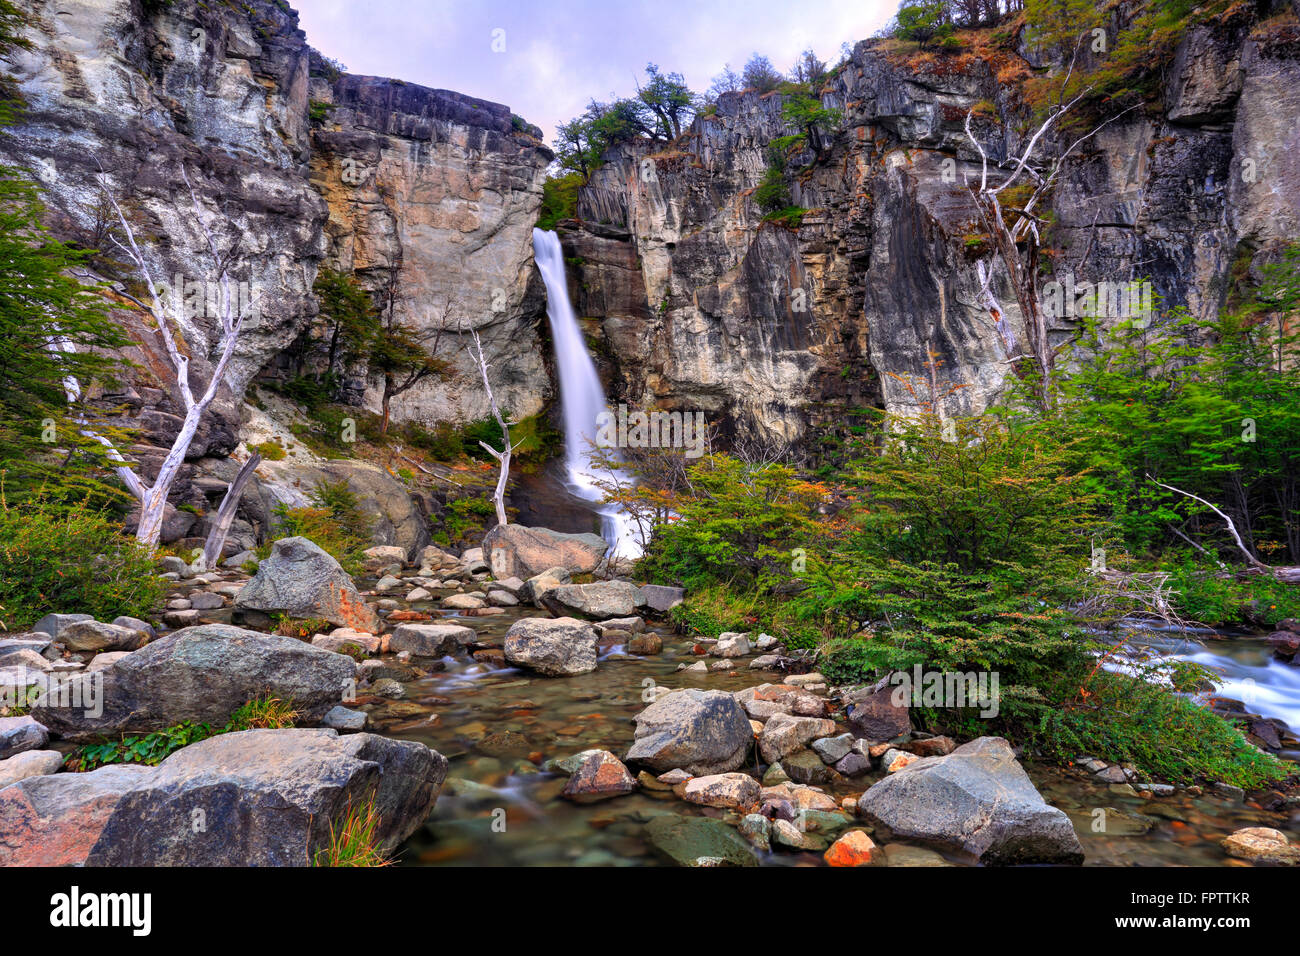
497,726
581,396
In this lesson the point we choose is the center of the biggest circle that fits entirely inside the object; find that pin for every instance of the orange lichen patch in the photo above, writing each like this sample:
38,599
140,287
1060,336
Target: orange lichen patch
855,848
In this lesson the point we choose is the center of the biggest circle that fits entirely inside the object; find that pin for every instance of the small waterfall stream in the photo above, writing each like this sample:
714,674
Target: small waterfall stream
581,397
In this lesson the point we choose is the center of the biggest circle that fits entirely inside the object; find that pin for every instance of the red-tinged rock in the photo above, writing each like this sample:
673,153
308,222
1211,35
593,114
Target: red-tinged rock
855,848
933,747
599,777
400,616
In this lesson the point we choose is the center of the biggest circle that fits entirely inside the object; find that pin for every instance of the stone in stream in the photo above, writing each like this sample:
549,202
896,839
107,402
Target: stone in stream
518,551
206,601
833,749
703,732
698,841
978,801
268,798
136,624
597,601
785,733
757,829
384,557
202,674
18,734
342,639
1262,845
97,636
344,719
301,580
873,714
731,791
464,602
29,763
731,644
54,624
557,647
537,586
600,776
431,640
854,848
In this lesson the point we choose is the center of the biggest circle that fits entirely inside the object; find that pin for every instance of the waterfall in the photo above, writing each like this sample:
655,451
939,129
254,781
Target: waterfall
581,397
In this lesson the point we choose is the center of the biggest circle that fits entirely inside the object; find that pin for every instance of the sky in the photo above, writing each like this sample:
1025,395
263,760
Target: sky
546,59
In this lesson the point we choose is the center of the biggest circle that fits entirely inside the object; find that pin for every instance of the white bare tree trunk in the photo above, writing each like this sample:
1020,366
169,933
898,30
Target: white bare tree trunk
153,498
502,457
226,514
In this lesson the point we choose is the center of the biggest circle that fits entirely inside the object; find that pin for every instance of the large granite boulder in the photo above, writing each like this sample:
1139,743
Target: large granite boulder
700,731
256,798
557,648
516,551
976,801
202,674
597,601
301,580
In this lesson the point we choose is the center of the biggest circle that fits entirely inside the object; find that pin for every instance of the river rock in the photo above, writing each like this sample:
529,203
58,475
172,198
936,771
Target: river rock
873,714
598,601
538,585
978,801
301,580
600,776
556,648
201,674
19,734
854,848
54,624
1262,845
702,732
731,791
698,841
785,733
97,636
731,645
384,557
662,599
517,551
29,763
431,640
267,798
342,639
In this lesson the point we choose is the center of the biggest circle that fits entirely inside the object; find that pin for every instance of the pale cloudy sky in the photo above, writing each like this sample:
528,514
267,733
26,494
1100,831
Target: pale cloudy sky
558,54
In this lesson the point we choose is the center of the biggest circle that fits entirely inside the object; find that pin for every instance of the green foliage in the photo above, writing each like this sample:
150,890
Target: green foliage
70,558
926,23
559,199
269,450
1206,594
738,524
464,514
335,522
52,330
151,749
12,23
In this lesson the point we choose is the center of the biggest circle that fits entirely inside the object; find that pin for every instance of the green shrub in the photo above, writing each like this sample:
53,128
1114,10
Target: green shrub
1206,595
559,199
71,559
269,450
335,522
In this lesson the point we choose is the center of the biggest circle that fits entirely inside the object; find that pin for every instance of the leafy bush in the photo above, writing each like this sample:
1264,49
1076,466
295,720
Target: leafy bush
559,199
335,522
1209,596
269,450
71,559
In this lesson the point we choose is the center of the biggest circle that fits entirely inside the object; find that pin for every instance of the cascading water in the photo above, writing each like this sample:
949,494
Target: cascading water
581,397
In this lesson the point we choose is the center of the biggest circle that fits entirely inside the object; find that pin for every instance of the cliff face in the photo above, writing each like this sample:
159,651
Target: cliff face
432,199
775,331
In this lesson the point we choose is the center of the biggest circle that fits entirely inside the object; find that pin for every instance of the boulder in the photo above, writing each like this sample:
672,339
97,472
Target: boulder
785,733
872,713
464,602
556,648
384,556
731,645
538,585
703,732
731,791
254,798
976,801
96,636
201,674
431,640
698,841
598,601
516,551
54,624
600,776
662,599
29,763
343,640
301,580
19,734
1261,845
136,624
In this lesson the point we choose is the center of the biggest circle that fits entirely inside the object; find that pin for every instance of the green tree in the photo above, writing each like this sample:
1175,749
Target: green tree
760,75
349,312
668,99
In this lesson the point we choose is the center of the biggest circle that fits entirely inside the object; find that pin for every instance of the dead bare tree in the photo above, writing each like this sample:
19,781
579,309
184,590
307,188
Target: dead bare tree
502,457
231,314
226,513
1018,243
